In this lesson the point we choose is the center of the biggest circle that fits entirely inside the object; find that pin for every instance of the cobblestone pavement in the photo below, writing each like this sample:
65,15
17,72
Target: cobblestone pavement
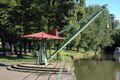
14,75
10,75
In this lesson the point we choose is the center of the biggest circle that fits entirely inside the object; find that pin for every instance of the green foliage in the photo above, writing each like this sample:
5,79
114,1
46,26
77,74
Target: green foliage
97,35
116,37
116,24
18,17
81,9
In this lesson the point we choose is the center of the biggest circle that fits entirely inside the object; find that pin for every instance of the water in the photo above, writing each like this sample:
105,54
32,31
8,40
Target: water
96,70
117,75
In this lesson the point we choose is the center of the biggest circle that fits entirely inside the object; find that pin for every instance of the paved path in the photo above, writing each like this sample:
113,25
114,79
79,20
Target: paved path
10,75
13,75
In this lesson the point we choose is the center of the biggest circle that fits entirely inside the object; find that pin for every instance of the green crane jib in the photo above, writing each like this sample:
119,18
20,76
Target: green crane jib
83,24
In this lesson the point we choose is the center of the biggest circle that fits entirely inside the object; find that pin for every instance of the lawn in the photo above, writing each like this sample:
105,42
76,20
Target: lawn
14,58
68,54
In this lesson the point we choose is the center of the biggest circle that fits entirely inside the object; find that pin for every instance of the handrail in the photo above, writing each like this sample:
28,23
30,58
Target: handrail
51,73
59,76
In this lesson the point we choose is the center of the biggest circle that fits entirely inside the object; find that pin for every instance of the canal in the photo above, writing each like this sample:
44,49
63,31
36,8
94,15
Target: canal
86,69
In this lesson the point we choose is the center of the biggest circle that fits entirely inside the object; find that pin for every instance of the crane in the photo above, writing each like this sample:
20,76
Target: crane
83,24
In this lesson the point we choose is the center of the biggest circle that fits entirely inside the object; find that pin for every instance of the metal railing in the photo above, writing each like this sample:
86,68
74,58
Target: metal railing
59,75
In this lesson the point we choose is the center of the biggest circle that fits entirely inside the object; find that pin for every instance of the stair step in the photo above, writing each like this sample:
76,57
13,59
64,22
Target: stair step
50,66
37,69
21,70
31,71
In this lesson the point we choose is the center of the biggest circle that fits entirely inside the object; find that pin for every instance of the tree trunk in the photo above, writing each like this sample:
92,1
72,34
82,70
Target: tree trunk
3,44
78,47
20,49
15,50
24,43
11,48
3,48
29,46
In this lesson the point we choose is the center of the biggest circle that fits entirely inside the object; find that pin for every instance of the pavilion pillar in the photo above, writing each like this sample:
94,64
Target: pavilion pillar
42,53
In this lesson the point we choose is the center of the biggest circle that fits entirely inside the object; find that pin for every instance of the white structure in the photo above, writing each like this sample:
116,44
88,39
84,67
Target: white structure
114,19
117,54
0,45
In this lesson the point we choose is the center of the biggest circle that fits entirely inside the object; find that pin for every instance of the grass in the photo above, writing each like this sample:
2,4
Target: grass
14,58
29,58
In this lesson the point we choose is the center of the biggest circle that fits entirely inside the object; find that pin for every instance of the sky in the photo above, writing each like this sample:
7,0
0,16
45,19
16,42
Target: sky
113,5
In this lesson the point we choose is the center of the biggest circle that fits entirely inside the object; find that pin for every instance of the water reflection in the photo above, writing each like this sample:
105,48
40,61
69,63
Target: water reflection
87,69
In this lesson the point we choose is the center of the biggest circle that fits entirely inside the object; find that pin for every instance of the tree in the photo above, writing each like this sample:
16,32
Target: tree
116,24
5,26
97,36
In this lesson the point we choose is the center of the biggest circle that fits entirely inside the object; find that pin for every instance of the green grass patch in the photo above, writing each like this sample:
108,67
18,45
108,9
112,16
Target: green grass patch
66,54
14,58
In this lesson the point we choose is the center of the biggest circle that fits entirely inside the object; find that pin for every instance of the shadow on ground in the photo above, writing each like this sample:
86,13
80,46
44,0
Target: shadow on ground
4,65
14,57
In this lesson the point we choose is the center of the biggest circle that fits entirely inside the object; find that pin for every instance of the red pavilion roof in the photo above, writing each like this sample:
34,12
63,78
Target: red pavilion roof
42,35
